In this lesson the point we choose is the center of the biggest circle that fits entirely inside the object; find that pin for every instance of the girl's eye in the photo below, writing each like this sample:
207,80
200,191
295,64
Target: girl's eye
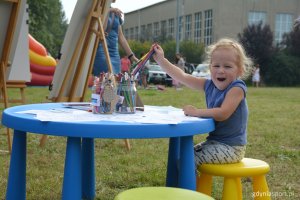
216,66
227,66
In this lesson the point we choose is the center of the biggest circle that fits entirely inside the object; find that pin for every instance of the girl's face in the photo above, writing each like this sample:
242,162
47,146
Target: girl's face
224,67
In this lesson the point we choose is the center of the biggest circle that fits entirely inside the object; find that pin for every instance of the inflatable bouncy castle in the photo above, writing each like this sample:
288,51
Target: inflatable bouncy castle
42,66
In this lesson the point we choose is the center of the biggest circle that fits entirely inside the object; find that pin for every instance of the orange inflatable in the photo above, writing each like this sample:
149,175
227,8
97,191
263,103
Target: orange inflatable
42,66
37,47
41,60
45,70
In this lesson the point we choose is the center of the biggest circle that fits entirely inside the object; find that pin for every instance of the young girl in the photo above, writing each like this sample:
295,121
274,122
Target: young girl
225,98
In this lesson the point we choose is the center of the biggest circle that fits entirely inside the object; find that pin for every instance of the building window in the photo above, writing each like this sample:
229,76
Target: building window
136,31
149,32
126,33
143,32
180,27
208,19
163,28
131,34
188,27
283,24
171,28
156,29
256,18
197,31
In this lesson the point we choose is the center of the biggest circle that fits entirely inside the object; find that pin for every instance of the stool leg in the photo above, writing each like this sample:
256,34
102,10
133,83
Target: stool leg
231,189
260,188
204,184
239,187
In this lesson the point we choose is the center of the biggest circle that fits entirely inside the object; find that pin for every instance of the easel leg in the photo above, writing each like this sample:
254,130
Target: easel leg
43,140
3,91
127,143
22,95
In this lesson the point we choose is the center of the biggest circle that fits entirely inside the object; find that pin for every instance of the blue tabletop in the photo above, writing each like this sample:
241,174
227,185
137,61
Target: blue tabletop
99,129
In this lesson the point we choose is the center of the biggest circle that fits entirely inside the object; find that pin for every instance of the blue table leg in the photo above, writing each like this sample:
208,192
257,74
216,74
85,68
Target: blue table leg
173,157
72,174
187,175
88,169
16,186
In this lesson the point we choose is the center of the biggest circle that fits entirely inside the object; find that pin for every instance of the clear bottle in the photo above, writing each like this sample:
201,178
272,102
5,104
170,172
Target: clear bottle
95,97
126,97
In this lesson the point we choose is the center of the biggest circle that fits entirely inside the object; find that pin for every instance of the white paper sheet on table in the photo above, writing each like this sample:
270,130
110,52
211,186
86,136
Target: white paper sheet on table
152,114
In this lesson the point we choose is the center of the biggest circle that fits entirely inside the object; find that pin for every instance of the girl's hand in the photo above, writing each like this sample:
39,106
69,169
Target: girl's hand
191,111
134,59
159,53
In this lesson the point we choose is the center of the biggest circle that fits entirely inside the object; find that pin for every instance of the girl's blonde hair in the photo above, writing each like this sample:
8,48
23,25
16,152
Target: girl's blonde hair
244,62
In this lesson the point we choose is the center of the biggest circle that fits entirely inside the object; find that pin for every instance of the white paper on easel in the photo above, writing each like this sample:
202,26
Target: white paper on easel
20,68
5,9
72,38
18,54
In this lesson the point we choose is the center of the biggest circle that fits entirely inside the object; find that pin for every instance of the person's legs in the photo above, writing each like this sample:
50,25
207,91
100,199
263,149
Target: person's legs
214,152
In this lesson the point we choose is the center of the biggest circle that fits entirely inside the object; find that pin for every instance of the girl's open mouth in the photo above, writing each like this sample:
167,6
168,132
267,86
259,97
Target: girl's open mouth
221,79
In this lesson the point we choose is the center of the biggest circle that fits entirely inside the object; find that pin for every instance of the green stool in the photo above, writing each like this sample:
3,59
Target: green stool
161,193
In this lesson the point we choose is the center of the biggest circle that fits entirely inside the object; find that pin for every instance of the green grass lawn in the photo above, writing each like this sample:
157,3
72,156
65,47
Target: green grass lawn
273,136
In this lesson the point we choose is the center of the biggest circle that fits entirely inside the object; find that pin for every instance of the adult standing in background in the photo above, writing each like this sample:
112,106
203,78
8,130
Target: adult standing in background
125,64
114,36
256,76
180,63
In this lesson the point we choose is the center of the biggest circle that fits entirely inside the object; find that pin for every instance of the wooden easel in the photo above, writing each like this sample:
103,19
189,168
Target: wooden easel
5,56
16,84
95,18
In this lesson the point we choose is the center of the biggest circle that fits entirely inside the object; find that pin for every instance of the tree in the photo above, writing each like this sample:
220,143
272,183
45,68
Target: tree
284,70
258,43
192,52
47,23
292,41
137,47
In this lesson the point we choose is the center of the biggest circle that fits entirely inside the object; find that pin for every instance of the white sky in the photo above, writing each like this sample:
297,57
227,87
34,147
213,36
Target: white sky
124,5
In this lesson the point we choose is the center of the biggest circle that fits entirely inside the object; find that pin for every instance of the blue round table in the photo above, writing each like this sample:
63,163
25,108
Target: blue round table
79,172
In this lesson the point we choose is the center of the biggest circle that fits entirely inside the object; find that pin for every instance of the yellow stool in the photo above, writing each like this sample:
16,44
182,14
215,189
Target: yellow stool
232,173
161,193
